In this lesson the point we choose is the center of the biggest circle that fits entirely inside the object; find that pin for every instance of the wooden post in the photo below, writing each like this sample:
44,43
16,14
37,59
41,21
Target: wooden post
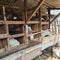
49,17
40,22
25,8
40,19
6,26
25,13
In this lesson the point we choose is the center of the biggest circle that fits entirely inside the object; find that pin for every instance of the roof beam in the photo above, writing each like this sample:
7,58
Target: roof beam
49,5
38,6
25,9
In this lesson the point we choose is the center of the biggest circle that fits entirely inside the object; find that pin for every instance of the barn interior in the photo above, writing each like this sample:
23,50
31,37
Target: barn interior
29,29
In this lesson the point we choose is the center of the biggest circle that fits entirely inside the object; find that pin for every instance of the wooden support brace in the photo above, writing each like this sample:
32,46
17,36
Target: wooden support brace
55,18
38,6
6,25
49,17
49,5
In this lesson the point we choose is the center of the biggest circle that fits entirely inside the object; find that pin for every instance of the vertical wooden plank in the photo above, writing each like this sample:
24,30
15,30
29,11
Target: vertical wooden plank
49,17
52,27
40,21
25,9
6,26
25,13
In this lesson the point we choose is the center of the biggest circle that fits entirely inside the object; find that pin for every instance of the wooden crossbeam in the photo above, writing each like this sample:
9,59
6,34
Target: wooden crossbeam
45,4
25,8
44,23
15,22
54,18
16,35
6,27
12,22
34,33
38,6
54,8
32,22
2,36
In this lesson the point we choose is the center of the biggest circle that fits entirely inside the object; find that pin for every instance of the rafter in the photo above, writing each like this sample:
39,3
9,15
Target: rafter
37,8
49,5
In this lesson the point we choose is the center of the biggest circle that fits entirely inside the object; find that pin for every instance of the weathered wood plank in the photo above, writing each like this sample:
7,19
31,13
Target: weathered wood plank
13,50
32,22
15,22
44,23
6,27
12,22
34,33
55,18
38,6
16,35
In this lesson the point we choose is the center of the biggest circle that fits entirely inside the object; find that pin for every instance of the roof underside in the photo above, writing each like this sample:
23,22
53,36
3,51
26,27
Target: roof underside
32,3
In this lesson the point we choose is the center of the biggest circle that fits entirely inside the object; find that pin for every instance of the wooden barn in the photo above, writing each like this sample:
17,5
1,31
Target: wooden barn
29,29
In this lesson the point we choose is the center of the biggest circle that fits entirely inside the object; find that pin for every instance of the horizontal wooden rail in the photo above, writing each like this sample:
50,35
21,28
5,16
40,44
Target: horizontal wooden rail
12,22
44,23
2,36
16,35
32,22
34,33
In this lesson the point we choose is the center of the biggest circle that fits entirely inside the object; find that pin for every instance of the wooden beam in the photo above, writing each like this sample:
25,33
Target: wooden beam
40,21
46,5
12,51
12,22
34,33
6,27
25,8
32,22
54,18
44,23
49,17
54,8
2,36
33,8
16,35
38,6
15,22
